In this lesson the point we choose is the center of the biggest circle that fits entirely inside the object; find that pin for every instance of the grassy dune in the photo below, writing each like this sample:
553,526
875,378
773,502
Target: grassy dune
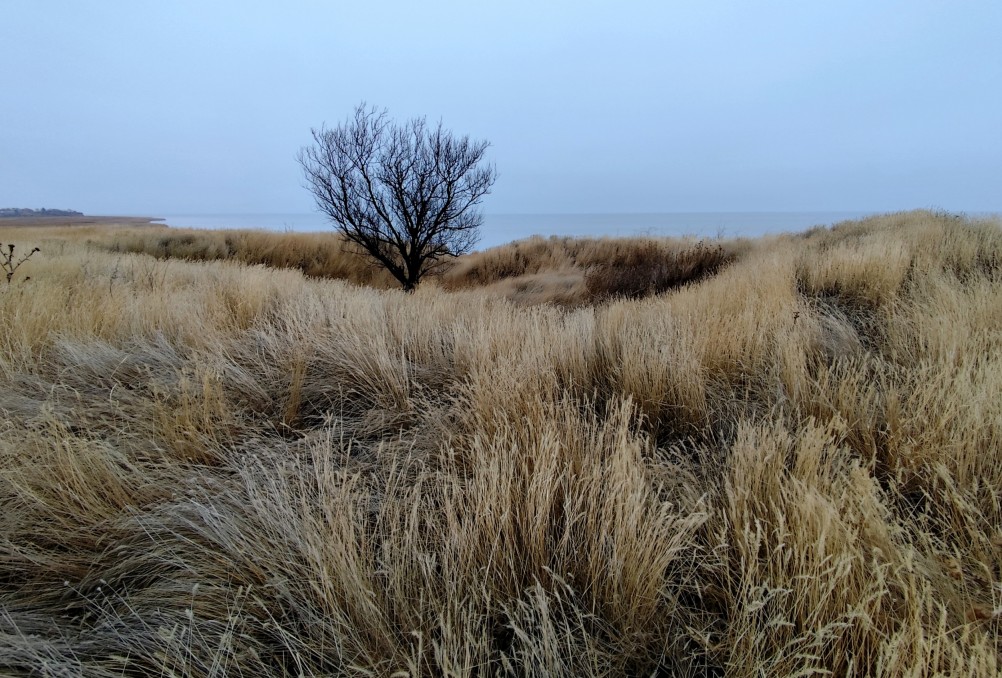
787,462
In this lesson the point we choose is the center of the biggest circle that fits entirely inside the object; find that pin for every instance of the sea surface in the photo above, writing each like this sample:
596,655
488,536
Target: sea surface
502,228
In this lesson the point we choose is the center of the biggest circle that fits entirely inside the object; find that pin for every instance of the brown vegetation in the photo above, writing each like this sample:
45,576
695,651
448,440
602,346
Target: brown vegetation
564,271
671,261
791,467
646,270
320,255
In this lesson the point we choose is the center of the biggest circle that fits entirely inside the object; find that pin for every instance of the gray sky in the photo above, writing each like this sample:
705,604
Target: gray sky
194,106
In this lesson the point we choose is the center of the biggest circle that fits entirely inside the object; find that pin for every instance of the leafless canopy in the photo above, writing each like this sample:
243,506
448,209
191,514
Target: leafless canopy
407,194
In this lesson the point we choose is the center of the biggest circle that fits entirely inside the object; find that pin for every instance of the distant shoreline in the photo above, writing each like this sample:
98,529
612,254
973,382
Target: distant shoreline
81,220
499,228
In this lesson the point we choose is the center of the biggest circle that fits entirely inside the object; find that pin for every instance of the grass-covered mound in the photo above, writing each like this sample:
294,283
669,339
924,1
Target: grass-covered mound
790,463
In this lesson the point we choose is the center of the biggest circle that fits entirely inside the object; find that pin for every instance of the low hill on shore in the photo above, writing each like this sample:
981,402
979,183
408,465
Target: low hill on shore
25,212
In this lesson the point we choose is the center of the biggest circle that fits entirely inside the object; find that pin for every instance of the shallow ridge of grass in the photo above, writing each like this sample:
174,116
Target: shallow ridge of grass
319,255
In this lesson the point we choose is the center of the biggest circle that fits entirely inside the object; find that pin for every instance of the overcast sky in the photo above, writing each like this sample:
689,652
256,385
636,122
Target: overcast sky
200,107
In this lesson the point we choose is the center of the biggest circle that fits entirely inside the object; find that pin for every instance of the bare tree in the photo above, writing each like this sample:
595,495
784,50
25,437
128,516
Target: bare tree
407,194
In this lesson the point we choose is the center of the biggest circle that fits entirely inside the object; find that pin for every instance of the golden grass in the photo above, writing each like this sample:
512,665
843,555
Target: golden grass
576,271
320,255
792,467
563,271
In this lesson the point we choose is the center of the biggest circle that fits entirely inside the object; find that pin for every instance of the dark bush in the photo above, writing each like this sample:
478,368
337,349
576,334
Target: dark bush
651,269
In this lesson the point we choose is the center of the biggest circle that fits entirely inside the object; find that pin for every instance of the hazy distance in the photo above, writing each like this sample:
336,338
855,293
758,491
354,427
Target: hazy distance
194,107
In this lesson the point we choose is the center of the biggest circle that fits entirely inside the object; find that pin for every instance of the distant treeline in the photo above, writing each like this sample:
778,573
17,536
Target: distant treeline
43,212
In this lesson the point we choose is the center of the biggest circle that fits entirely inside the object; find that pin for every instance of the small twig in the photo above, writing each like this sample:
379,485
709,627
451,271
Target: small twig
8,263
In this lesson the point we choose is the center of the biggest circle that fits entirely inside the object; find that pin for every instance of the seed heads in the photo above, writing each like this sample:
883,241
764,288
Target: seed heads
8,263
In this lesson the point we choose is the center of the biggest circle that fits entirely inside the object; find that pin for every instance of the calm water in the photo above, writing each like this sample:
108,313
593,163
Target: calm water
502,228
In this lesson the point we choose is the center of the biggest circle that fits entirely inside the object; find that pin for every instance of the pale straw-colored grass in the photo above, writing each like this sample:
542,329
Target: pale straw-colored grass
793,467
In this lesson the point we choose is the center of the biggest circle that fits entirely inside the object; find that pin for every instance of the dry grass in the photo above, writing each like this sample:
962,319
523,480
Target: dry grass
319,255
564,271
577,271
791,467
648,270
